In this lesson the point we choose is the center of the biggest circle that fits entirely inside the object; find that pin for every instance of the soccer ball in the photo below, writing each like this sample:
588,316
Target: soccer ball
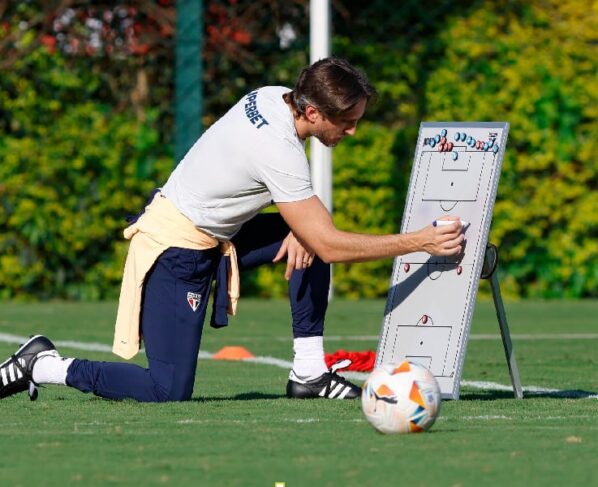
401,398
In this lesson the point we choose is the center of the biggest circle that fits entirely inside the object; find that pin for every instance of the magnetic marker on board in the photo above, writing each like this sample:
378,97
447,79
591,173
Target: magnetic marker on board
441,223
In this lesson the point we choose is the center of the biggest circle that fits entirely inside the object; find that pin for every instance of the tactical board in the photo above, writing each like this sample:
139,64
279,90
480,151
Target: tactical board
431,299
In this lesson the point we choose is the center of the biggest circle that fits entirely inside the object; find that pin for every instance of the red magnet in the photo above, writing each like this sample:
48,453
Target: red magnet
459,270
450,146
443,140
424,319
406,267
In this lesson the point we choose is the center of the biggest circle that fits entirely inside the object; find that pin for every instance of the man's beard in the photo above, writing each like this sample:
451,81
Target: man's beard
327,142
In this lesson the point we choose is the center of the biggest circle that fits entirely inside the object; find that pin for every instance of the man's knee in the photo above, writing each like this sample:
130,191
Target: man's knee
172,382
173,395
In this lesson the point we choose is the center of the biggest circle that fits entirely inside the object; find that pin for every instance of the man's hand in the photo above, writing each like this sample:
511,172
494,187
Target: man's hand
298,256
442,239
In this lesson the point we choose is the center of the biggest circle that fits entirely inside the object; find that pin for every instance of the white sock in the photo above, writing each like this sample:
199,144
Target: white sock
309,361
50,368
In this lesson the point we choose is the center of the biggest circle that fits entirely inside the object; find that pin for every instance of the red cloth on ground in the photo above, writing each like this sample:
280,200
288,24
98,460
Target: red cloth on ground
360,361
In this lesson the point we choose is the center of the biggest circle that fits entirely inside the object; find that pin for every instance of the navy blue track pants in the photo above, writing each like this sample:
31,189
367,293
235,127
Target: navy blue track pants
174,308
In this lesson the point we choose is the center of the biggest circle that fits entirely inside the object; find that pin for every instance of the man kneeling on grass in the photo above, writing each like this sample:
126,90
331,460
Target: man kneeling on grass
205,224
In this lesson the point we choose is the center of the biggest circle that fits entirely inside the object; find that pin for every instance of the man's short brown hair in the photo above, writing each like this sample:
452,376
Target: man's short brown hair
332,85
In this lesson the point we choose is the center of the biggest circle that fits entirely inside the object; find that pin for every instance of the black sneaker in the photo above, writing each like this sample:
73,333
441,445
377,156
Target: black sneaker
16,372
329,385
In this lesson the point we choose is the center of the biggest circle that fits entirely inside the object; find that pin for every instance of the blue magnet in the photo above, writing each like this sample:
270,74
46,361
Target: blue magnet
457,136
437,139
490,143
455,156
469,139
443,132
432,142
486,146
426,141
463,136
495,149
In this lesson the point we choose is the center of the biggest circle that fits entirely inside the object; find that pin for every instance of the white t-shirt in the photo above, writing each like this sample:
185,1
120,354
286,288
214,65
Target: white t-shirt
247,159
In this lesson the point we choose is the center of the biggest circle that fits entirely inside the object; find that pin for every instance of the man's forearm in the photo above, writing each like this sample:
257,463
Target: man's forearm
354,247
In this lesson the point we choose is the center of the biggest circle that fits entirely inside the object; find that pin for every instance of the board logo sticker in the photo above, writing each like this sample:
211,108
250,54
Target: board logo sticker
194,300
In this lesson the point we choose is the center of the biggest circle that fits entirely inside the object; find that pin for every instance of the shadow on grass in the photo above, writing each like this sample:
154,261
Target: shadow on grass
565,394
486,396
496,395
246,396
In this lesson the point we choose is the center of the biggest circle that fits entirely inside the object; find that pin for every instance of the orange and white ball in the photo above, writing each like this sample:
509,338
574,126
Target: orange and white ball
401,398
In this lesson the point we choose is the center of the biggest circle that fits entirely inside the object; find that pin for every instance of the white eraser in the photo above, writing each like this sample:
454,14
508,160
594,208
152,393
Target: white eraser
442,223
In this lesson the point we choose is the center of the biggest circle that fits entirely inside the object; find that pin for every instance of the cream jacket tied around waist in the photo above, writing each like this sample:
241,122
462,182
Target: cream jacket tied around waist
160,227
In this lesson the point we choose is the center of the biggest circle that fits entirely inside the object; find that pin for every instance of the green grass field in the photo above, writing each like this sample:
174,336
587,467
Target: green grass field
240,430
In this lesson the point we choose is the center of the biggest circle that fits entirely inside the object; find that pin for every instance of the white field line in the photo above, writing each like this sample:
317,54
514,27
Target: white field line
270,420
285,364
87,346
474,336
538,336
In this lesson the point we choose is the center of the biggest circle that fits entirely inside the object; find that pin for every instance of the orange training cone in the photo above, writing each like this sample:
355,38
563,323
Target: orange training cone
232,353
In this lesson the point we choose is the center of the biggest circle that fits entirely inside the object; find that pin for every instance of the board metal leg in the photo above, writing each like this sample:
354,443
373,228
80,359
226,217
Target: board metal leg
504,327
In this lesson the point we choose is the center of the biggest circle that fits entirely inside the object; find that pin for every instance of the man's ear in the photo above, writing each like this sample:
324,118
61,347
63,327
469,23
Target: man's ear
312,113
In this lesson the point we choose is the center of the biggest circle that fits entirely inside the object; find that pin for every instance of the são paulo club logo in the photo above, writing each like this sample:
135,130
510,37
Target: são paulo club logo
194,300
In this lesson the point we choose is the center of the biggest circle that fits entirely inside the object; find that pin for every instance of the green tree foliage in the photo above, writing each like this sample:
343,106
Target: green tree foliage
366,196
533,64
71,171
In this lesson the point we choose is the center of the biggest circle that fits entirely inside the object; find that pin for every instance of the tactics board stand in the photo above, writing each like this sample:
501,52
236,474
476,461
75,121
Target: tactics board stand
488,272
